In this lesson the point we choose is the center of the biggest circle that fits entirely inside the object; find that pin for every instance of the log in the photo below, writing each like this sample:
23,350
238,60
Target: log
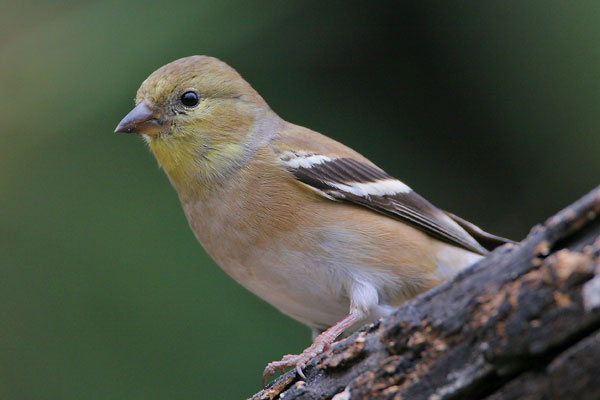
522,323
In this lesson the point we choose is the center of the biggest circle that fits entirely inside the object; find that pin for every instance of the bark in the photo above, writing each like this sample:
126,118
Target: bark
523,323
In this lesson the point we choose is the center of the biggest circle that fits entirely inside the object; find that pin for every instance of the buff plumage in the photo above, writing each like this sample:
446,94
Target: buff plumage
302,221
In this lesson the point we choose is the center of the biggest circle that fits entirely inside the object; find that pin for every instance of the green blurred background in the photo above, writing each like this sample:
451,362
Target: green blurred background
489,109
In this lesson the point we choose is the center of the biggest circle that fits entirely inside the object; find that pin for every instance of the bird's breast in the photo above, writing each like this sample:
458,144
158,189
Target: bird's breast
303,253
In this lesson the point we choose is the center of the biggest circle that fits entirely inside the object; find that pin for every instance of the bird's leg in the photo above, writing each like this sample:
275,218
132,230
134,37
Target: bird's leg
320,344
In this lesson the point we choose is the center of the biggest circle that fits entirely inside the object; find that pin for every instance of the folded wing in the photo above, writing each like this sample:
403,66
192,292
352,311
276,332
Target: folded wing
346,179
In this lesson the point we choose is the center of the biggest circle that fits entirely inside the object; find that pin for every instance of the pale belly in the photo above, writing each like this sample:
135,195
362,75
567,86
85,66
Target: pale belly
314,286
315,275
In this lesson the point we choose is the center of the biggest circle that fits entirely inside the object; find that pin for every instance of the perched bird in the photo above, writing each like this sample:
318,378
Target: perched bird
302,221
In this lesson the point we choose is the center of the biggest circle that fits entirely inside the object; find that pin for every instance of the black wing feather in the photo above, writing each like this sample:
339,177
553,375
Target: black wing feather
407,206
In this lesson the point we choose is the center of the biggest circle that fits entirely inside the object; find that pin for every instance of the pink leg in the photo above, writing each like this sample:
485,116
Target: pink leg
320,344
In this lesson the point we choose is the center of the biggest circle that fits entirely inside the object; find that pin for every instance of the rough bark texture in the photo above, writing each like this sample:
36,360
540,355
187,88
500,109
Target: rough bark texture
523,323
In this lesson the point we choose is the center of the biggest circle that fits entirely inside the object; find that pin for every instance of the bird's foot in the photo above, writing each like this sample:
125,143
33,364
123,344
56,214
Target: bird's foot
297,360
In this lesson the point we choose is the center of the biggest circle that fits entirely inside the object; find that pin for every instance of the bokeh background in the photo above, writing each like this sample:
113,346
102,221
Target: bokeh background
489,109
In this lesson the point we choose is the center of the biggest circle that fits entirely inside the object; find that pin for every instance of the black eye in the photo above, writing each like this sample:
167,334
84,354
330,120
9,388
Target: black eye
190,99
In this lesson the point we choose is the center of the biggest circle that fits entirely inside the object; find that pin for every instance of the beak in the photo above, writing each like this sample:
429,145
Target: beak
140,120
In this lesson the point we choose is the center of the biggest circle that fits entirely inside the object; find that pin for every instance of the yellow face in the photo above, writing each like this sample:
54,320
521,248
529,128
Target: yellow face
200,91
194,112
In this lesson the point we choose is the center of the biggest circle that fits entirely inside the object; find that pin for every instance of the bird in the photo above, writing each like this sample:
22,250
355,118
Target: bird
302,221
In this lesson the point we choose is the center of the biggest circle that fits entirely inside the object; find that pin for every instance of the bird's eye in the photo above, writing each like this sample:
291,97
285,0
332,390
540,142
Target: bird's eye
190,99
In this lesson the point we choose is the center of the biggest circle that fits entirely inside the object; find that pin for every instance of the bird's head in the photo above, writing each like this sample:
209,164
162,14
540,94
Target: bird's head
198,115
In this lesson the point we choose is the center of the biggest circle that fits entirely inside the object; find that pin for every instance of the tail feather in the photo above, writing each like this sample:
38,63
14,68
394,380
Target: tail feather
487,240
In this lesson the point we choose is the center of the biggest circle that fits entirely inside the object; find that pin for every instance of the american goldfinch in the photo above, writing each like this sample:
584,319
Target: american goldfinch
302,221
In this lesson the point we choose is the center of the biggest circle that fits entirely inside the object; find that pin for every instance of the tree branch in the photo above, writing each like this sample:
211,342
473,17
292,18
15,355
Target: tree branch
524,322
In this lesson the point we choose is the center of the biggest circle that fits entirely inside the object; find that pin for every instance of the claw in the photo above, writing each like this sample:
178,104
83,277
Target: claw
299,372
268,371
290,360
293,360
320,344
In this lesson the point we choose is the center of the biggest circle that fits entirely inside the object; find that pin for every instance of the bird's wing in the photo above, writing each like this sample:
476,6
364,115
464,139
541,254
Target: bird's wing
347,179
